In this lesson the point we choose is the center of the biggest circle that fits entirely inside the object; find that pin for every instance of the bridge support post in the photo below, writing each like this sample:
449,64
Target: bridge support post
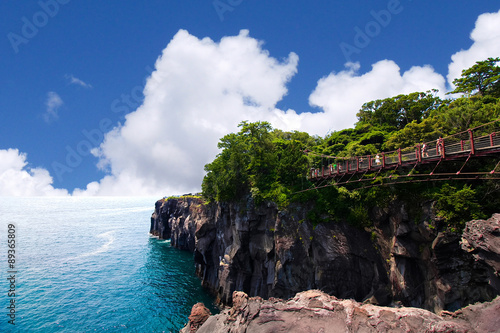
400,160
471,138
443,153
419,153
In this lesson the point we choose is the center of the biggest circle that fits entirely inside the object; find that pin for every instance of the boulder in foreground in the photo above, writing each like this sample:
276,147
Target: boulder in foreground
315,311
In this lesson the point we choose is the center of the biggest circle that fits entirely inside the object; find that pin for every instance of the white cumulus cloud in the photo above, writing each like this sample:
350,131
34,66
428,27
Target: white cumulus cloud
16,179
341,95
486,38
200,91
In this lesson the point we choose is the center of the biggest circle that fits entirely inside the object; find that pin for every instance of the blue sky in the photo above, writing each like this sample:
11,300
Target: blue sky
73,74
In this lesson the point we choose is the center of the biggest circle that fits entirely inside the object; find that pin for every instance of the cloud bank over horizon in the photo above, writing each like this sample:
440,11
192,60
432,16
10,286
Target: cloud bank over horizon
18,179
201,89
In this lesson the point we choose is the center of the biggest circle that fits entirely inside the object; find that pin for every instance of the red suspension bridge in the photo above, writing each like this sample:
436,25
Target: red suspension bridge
481,141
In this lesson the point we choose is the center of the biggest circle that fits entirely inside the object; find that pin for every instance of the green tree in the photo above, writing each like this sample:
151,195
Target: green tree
400,110
227,175
257,160
457,207
260,153
482,78
467,112
414,133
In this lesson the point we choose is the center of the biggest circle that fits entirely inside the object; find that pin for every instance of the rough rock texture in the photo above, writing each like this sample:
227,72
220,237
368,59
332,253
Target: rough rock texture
199,315
435,270
270,253
482,240
178,220
315,311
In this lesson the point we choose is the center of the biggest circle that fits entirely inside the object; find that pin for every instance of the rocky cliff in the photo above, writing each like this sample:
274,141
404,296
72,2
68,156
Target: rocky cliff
314,311
267,253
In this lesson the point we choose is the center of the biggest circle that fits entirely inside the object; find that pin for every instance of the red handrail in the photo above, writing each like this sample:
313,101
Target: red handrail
464,142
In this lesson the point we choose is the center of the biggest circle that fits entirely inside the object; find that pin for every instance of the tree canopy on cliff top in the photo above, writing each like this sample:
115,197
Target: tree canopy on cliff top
270,164
482,78
259,160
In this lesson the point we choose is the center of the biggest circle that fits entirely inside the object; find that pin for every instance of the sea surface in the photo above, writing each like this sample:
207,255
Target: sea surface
90,265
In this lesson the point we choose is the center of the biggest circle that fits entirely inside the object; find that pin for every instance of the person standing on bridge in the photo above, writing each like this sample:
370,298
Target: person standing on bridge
439,146
377,159
424,150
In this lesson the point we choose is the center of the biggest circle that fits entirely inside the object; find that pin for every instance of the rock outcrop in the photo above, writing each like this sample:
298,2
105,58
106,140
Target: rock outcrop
199,315
314,311
268,253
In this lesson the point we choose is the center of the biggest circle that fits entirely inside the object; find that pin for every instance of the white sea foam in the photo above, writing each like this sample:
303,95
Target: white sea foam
109,236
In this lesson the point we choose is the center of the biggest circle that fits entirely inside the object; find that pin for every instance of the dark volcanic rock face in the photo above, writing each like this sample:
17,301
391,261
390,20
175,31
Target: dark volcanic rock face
177,219
269,253
336,258
435,270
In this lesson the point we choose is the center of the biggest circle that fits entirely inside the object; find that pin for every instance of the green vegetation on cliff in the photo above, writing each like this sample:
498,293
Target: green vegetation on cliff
267,163
271,164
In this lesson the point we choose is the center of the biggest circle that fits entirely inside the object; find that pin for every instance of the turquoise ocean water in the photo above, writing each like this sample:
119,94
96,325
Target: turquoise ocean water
89,265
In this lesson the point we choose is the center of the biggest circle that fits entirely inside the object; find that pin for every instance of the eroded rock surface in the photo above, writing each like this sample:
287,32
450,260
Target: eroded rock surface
315,311
199,315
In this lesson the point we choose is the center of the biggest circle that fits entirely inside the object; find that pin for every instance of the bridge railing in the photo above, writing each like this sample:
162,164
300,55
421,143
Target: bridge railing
410,154
487,141
457,144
